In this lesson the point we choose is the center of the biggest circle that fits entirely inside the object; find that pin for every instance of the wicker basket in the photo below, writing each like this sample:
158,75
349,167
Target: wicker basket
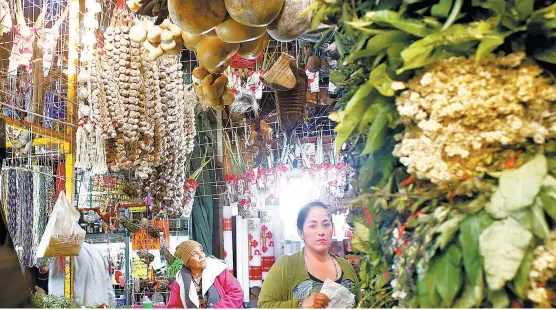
283,75
291,105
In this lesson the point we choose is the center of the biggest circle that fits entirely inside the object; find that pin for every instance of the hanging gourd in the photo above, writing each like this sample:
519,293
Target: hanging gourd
254,13
197,17
290,24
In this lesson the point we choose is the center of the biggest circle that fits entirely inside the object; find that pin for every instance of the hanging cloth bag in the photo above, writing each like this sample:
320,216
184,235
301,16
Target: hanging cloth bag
63,236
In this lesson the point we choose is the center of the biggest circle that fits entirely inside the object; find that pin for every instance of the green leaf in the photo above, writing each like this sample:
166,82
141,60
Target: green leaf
503,245
370,115
448,230
354,111
473,292
475,206
375,137
385,39
470,230
548,196
521,281
376,169
350,122
498,6
339,45
427,294
549,204
442,8
448,275
365,273
337,77
538,220
411,26
381,81
488,45
533,220
453,15
424,58
524,8
361,238
427,50
499,298
547,55
519,187
455,35
495,207
362,93
394,55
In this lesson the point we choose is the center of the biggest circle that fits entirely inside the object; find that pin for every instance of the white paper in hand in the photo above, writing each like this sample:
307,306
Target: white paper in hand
340,297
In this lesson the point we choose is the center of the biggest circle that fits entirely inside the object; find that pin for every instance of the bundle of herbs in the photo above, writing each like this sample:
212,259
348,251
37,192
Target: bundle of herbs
443,223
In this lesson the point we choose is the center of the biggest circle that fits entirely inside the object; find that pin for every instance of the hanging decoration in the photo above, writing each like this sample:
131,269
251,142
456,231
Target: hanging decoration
146,116
290,85
90,147
234,34
157,40
5,17
258,186
22,45
212,90
268,241
255,252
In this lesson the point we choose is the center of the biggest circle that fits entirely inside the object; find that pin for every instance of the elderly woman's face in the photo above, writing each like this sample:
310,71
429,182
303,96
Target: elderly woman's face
197,261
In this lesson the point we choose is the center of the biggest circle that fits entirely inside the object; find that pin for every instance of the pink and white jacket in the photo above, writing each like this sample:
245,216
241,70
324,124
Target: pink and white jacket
215,274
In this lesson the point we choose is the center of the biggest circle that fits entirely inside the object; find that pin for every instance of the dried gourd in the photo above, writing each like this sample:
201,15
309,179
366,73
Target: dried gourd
210,92
228,98
252,49
254,13
213,52
208,80
221,81
191,41
231,31
291,23
200,73
197,17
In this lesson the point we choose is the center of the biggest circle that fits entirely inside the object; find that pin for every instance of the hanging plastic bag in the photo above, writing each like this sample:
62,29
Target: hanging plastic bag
63,236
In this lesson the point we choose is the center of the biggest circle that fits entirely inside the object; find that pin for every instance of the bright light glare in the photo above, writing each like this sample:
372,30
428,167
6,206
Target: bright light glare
294,193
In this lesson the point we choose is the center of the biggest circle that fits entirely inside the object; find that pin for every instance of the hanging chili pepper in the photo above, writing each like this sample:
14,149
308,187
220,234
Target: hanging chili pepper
369,217
510,163
408,181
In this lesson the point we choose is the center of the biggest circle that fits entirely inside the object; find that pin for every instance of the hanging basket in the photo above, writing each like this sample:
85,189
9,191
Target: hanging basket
239,62
291,104
283,75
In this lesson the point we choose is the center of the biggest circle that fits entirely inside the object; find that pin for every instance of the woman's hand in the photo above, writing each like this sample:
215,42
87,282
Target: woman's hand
316,301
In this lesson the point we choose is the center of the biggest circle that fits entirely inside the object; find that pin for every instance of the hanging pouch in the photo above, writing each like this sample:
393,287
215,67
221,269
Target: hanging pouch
63,236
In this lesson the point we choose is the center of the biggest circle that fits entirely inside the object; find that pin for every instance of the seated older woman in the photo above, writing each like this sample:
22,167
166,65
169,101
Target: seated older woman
203,282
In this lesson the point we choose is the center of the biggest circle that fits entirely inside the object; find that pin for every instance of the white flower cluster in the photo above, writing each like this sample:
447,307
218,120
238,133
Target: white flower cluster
543,268
457,112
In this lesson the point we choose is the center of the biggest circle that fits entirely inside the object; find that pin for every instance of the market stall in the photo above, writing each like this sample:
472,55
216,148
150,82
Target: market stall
426,129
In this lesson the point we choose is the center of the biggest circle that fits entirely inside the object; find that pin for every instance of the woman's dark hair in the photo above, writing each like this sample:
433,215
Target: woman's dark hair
302,215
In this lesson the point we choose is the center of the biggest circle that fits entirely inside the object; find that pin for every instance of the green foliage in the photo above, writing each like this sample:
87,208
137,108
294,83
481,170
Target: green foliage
454,252
500,238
